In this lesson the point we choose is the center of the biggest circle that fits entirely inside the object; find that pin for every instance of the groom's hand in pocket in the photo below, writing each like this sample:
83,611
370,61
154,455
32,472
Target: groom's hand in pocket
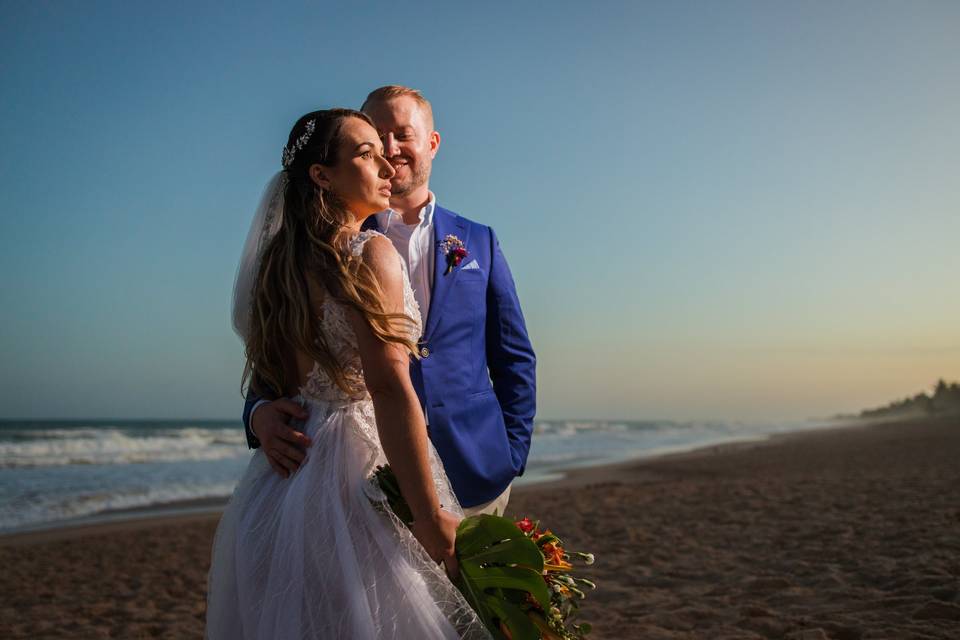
284,446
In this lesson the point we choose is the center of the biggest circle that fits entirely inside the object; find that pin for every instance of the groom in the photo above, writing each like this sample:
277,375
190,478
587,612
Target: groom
476,374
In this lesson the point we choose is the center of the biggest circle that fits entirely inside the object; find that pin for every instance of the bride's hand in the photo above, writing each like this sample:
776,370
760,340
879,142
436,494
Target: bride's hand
438,534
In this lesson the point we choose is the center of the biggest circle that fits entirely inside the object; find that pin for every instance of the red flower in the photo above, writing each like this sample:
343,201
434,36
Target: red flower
453,248
526,525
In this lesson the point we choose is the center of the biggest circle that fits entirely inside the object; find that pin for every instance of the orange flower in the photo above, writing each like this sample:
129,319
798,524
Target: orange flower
553,558
552,552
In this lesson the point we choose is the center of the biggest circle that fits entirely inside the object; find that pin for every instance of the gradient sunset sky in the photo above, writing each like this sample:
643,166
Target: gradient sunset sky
733,210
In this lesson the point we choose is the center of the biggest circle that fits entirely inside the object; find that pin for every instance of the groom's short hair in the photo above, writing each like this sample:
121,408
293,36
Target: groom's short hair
395,91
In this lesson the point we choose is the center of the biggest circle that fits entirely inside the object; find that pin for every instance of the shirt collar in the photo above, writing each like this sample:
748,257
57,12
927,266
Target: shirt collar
384,218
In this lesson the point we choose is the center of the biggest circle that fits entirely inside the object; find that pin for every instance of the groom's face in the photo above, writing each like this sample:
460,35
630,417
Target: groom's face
409,141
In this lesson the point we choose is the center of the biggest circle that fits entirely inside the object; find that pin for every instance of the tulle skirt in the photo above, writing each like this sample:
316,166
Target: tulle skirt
319,555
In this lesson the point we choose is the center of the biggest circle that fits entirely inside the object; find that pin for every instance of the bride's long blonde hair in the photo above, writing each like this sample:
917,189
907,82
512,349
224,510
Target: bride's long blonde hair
311,241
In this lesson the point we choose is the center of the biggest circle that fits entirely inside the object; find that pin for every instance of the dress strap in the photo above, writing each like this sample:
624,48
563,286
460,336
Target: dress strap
357,242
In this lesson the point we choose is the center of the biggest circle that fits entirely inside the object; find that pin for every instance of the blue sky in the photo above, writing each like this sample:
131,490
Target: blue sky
730,210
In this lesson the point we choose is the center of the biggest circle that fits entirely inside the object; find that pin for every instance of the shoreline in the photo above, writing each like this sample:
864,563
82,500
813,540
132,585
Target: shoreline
831,534
204,509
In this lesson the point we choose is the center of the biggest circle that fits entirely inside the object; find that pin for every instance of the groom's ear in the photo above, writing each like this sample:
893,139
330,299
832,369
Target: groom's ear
434,143
318,174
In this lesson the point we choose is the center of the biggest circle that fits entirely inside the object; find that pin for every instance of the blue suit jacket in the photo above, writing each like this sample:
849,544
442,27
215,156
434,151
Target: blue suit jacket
476,378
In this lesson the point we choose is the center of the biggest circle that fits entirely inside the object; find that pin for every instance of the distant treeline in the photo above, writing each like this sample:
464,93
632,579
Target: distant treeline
945,400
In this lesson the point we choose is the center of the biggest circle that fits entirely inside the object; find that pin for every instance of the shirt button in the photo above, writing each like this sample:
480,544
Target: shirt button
424,352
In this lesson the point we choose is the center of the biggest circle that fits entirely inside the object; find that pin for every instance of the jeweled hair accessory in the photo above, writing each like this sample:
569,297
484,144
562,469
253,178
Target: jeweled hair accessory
298,144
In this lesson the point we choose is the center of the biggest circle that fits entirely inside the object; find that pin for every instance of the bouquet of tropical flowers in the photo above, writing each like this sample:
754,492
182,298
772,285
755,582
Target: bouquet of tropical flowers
518,578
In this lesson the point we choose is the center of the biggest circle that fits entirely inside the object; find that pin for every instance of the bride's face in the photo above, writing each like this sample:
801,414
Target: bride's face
361,177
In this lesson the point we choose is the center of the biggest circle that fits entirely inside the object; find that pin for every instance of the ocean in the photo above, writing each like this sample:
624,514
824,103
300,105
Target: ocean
62,473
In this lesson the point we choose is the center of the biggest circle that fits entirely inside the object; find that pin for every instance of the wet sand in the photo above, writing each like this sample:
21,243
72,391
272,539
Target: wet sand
842,534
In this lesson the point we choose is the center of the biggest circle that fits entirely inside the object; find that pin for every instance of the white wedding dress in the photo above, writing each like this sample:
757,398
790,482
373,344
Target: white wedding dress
319,555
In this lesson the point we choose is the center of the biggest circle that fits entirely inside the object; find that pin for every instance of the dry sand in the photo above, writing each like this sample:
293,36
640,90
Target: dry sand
844,534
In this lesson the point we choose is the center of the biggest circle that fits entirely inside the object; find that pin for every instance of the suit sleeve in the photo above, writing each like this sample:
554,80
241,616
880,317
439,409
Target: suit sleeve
510,357
252,400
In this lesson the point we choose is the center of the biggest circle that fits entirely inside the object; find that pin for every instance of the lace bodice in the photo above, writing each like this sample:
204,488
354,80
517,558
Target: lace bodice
342,341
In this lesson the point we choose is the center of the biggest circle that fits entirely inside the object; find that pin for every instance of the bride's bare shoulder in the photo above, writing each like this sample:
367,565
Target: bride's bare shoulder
379,254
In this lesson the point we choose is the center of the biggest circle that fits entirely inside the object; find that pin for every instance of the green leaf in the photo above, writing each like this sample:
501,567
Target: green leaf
478,532
487,579
516,551
391,489
496,559
499,565
514,618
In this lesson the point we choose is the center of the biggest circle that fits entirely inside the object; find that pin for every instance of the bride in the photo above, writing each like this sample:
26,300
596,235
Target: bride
333,323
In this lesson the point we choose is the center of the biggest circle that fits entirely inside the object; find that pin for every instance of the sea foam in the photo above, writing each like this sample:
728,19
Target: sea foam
103,446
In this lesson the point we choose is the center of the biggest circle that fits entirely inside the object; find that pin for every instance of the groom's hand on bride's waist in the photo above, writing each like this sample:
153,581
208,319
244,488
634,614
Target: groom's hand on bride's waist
284,446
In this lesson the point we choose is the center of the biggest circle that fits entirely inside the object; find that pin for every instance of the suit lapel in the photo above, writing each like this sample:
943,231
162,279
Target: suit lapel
444,223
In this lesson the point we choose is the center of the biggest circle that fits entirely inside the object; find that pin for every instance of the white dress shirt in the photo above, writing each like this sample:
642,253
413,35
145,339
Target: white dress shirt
414,243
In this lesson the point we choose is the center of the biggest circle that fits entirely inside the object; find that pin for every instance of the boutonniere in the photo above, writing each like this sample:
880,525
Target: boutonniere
453,248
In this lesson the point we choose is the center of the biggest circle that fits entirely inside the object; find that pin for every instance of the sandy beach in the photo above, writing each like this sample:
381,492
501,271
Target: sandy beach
843,534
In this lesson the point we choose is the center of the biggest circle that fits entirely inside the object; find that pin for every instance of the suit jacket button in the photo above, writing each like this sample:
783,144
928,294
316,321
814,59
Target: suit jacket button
424,352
